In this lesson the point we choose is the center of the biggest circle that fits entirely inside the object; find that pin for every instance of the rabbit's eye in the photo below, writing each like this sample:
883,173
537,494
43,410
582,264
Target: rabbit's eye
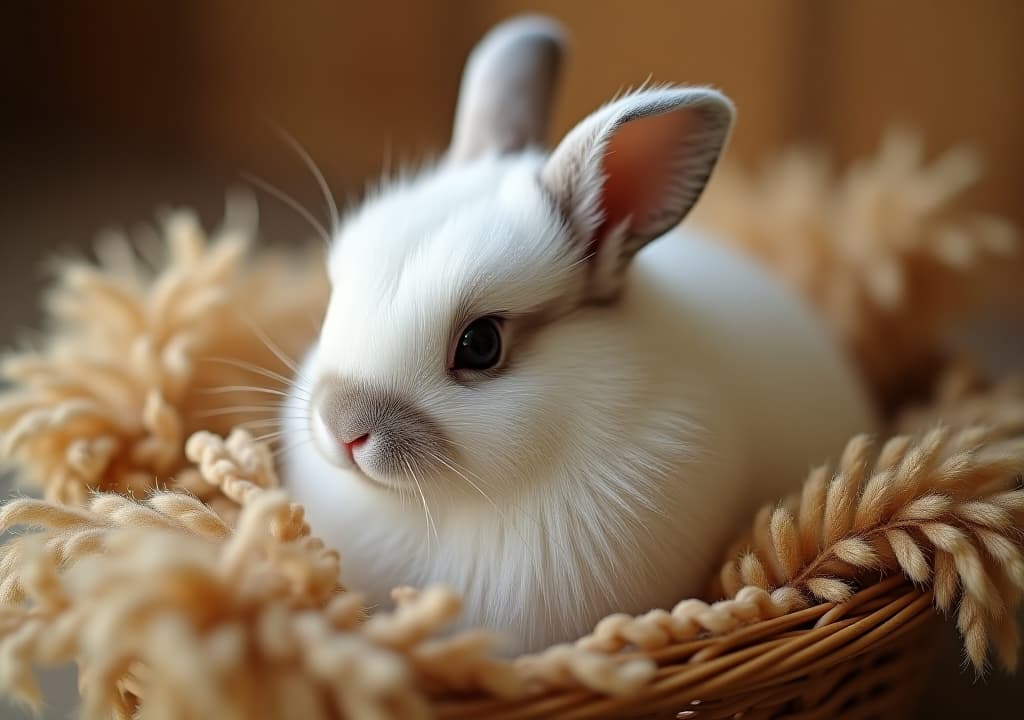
479,347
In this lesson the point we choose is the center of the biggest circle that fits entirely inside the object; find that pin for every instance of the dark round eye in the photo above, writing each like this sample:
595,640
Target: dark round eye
479,348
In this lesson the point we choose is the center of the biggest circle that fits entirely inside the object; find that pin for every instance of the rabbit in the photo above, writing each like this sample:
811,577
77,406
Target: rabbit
530,386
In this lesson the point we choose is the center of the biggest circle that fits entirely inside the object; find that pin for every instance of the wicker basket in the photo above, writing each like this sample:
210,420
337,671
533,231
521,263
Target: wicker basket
866,657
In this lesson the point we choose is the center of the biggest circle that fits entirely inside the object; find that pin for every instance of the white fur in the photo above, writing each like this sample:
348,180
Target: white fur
626,446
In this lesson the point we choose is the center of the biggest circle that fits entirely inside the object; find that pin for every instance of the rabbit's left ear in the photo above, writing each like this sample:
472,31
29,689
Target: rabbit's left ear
632,170
507,88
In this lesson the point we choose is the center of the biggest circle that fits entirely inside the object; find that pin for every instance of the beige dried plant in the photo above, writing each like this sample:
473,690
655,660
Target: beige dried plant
882,250
142,354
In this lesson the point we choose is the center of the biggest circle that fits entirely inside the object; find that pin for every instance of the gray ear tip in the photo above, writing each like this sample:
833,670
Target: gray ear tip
711,102
720,99
526,28
718,104
507,87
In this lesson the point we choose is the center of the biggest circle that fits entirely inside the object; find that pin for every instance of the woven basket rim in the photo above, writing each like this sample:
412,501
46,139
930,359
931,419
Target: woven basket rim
762,655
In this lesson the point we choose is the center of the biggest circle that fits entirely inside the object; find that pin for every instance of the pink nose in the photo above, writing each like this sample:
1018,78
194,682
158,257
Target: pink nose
351,445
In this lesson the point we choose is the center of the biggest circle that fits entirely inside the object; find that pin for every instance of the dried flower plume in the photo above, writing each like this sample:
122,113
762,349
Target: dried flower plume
881,250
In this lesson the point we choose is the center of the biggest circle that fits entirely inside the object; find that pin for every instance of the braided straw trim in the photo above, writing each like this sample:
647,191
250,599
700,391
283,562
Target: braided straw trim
241,469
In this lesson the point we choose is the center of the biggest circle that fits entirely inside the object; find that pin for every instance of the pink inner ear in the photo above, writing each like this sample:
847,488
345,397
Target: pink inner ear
640,163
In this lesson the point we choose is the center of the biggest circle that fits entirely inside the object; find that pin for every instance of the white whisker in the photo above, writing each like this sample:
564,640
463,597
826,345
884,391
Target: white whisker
426,511
517,506
290,202
271,436
238,410
261,415
251,367
501,515
276,454
321,181
265,423
224,389
275,405
476,487
276,349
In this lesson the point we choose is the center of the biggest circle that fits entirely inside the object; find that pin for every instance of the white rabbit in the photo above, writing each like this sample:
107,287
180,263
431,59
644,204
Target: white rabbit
513,395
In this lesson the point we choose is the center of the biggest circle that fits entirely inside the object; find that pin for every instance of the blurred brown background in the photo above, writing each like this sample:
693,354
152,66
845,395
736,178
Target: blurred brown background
187,87
113,108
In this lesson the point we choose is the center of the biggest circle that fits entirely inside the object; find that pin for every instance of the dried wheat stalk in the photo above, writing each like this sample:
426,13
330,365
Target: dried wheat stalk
944,508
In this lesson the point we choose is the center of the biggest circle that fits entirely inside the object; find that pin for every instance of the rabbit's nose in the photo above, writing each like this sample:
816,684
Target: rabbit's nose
383,431
350,446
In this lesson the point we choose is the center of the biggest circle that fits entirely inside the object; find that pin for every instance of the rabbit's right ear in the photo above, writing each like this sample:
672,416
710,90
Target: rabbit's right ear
507,88
632,170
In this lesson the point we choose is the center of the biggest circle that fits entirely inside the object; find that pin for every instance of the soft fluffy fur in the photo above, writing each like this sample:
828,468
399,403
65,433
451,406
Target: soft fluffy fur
611,453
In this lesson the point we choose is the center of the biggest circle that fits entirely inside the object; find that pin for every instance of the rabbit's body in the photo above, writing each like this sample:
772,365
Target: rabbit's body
639,410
